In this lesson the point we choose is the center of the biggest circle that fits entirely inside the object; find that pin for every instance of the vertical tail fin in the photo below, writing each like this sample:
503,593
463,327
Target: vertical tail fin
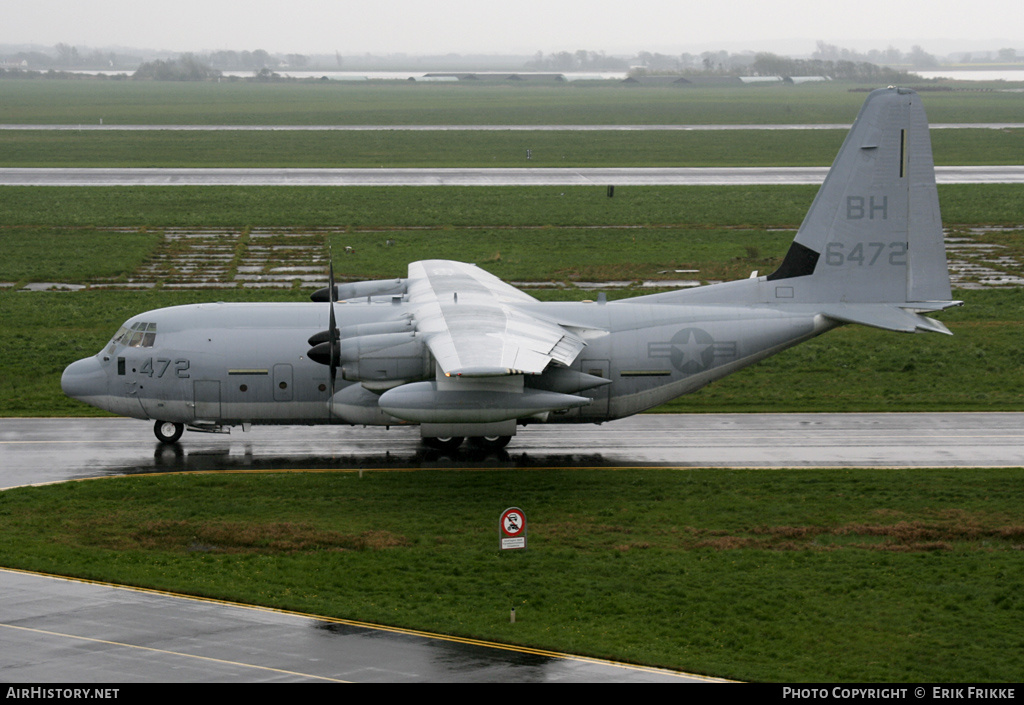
873,233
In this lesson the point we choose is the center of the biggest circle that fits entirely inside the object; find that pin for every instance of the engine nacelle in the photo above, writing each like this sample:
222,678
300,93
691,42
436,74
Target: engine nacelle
389,357
357,290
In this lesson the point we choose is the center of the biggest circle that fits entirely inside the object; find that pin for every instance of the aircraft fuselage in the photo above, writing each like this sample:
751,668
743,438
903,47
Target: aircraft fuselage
246,363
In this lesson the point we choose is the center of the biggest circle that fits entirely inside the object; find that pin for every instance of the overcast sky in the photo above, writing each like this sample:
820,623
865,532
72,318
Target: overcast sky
521,27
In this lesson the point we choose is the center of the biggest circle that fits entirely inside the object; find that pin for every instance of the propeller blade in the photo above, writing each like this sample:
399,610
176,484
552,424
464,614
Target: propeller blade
332,329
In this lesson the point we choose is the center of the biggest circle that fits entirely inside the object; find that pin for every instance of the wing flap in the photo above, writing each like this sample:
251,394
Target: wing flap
470,323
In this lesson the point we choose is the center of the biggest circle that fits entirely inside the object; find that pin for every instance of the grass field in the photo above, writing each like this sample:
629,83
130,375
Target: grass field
393,149
384,207
402,103
129,102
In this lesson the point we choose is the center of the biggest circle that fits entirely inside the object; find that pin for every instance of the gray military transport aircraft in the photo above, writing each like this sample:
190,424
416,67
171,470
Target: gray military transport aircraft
462,354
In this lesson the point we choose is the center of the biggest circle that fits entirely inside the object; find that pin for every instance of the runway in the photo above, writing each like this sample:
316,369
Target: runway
598,176
55,629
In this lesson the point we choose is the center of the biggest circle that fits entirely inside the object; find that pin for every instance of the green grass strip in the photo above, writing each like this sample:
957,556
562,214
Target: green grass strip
392,149
405,103
407,206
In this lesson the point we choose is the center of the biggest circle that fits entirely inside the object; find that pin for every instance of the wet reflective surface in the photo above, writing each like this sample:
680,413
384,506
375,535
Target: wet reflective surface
56,630
48,450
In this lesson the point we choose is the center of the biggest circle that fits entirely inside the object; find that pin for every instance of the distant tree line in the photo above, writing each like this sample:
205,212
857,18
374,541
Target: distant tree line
581,60
840,64
66,56
916,58
254,60
1002,56
827,60
766,64
192,67
185,68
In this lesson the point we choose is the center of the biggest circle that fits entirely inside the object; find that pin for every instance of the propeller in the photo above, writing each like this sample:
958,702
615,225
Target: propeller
332,329
326,344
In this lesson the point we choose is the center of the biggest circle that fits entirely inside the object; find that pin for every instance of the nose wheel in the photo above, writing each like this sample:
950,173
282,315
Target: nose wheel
168,432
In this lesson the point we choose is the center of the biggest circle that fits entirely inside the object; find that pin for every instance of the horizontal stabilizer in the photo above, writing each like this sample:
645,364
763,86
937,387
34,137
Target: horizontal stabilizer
885,316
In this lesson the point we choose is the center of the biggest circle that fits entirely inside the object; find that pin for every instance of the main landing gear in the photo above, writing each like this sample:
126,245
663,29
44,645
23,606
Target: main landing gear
480,442
168,432
442,442
490,442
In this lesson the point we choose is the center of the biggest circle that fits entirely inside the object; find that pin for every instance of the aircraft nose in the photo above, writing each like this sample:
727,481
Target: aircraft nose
84,379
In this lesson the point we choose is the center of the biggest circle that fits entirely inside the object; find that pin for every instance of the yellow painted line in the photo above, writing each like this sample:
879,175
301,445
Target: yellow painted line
170,653
351,623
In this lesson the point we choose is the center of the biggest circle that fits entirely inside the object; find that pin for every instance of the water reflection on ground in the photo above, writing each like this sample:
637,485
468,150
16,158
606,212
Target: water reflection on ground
180,458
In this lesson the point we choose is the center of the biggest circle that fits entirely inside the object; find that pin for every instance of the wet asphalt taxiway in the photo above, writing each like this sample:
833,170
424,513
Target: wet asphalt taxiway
34,451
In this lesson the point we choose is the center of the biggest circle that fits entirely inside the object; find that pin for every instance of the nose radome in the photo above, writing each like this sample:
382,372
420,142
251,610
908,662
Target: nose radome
84,379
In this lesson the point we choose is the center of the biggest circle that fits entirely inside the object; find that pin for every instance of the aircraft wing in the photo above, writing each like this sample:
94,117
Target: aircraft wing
469,320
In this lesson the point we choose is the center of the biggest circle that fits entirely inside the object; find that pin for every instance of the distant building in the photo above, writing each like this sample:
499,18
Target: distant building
762,79
658,80
488,76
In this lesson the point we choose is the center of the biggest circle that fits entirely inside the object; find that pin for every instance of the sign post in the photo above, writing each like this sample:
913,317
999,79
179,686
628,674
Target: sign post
512,529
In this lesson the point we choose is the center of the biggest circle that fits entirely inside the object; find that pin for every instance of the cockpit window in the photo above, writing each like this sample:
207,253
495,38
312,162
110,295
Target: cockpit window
141,335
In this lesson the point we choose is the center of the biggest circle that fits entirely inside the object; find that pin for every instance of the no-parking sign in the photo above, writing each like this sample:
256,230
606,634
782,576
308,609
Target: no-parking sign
512,528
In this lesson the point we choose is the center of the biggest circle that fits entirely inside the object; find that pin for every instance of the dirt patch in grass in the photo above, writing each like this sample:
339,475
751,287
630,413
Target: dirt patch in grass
946,532
238,537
